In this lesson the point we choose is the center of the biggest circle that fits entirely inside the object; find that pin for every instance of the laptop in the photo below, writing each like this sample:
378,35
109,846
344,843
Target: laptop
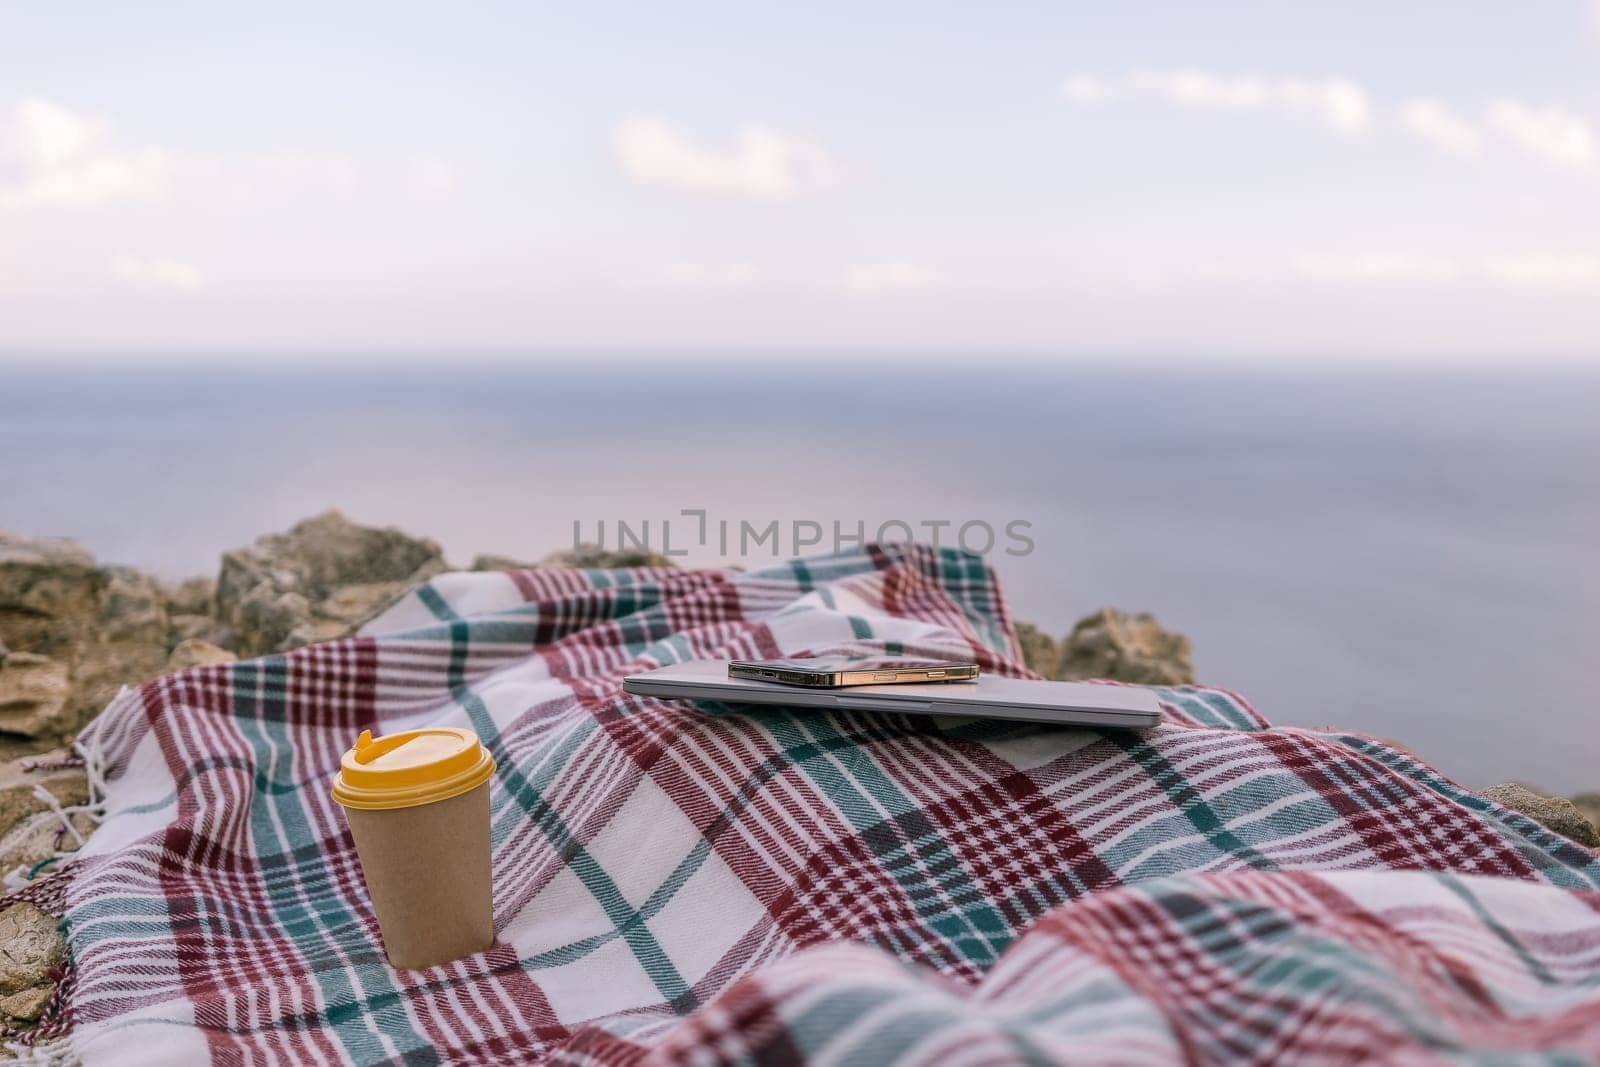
989,697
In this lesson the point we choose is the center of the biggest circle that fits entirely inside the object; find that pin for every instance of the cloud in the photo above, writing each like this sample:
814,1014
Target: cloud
1384,267
699,276
1197,88
1442,128
763,164
432,176
299,171
47,135
1544,271
167,274
295,167
54,156
869,279
1087,89
1555,135
1337,102
1392,267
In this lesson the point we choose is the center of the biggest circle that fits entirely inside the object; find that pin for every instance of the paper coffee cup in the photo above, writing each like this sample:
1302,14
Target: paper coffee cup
418,807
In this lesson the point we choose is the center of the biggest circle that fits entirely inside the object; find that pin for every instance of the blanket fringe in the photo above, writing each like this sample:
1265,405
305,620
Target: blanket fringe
55,1054
49,1041
89,753
44,885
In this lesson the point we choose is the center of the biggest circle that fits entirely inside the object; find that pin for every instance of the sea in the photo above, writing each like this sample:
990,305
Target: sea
1407,552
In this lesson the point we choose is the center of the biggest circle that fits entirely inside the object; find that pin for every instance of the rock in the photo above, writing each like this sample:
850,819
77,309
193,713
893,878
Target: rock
181,628
49,594
1039,650
27,1005
484,562
588,556
19,777
293,588
1554,813
133,608
265,617
1589,805
104,668
1127,648
355,604
595,557
127,644
34,694
193,596
315,631
30,946
105,626
197,653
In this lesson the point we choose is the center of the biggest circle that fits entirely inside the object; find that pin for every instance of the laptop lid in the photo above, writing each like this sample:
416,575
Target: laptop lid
993,697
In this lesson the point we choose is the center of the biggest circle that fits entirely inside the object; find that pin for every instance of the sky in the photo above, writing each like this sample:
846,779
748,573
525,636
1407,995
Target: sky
1260,181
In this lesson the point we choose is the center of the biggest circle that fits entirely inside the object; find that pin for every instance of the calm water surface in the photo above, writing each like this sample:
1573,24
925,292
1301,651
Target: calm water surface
1412,555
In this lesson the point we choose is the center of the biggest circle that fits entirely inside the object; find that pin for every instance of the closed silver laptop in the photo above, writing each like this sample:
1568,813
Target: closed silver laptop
990,697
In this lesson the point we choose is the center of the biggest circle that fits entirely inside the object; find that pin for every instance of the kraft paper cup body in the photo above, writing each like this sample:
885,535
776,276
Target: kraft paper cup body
427,871
425,860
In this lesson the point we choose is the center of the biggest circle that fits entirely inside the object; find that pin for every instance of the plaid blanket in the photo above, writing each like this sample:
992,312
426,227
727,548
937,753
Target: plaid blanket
706,884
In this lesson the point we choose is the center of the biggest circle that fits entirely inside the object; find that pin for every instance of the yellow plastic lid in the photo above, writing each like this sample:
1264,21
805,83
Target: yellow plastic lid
410,768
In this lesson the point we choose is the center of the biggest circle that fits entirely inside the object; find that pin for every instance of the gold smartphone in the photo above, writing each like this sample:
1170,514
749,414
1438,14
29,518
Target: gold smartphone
832,672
